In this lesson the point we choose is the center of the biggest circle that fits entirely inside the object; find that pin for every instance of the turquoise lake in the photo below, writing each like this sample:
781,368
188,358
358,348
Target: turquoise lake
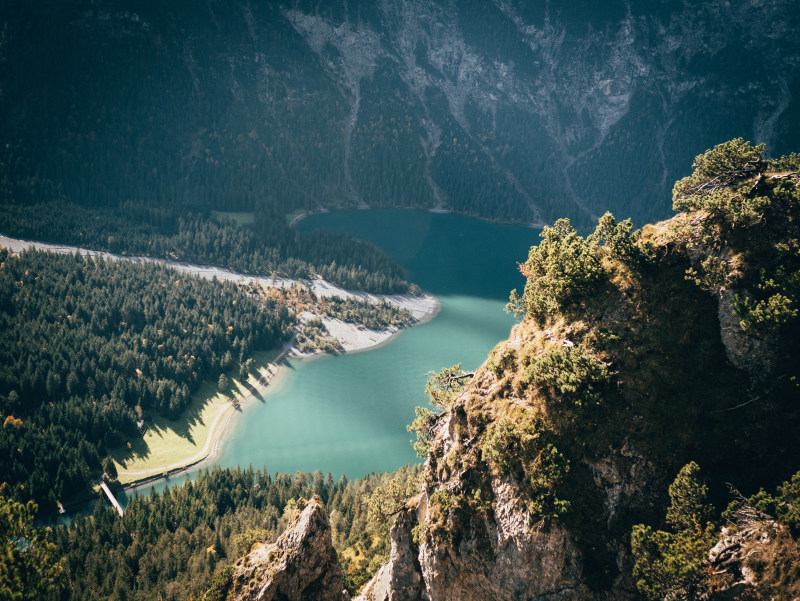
347,414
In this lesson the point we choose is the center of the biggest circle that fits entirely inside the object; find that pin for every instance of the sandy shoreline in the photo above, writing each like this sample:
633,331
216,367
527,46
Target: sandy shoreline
353,338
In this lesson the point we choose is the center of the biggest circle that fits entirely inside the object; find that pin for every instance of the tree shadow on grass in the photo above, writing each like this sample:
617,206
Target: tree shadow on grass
134,449
259,379
159,427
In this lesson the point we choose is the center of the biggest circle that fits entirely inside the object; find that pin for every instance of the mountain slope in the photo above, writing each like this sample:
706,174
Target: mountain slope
499,109
638,353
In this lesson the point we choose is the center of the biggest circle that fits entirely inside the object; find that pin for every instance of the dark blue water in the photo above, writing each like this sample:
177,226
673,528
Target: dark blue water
444,254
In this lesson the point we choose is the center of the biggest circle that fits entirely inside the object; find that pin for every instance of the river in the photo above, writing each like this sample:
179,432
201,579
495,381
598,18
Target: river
347,414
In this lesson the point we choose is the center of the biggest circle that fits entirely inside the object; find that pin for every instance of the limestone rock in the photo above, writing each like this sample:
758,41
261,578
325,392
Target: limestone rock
627,478
399,579
301,565
767,544
746,351
503,557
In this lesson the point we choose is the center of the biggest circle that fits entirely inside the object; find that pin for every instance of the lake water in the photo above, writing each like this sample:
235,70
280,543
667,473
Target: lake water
348,413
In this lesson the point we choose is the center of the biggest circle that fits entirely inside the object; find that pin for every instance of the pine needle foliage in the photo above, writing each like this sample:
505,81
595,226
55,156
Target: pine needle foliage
569,375
748,225
526,451
668,565
561,271
29,564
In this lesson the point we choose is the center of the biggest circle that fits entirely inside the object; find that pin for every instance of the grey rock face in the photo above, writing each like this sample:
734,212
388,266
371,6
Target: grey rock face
551,109
399,579
621,474
541,72
746,351
504,557
760,542
301,565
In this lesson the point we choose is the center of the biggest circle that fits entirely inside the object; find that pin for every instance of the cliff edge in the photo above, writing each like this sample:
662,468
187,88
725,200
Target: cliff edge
301,565
547,471
637,353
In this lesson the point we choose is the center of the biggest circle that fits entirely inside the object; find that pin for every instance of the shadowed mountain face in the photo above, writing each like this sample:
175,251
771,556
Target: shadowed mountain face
504,109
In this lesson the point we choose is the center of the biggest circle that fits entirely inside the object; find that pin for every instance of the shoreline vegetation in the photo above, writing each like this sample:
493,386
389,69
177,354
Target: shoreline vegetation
217,412
295,218
164,452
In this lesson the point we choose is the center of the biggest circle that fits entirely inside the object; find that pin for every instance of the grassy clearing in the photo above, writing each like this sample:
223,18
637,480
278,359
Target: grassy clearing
242,218
168,444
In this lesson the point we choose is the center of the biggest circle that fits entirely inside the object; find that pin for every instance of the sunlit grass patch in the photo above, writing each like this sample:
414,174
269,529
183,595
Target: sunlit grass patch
167,444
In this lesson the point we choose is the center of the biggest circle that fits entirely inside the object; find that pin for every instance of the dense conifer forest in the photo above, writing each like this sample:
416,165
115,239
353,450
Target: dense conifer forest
267,246
169,545
89,346
138,114
196,132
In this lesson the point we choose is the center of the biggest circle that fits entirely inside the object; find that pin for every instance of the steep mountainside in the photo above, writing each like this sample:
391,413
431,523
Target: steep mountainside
547,472
638,353
504,109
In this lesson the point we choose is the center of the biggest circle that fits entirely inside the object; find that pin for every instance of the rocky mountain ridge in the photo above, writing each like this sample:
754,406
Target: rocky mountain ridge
498,109
548,469
301,564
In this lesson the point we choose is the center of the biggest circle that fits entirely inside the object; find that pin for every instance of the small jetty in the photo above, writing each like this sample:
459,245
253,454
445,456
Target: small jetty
111,497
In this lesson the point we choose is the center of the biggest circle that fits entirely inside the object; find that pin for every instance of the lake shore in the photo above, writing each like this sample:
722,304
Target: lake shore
354,338
439,211
268,375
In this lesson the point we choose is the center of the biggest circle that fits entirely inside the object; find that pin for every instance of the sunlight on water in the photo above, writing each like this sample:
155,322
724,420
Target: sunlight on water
348,414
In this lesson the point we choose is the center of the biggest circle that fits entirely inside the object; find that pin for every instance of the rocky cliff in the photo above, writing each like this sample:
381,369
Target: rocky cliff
651,354
638,353
300,566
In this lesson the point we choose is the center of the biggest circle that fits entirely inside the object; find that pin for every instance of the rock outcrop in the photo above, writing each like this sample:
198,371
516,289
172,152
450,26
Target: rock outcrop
754,562
549,465
747,351
400,579
542,463
301,565
504,556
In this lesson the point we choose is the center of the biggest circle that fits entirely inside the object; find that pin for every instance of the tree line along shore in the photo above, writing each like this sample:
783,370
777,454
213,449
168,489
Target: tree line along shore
96,350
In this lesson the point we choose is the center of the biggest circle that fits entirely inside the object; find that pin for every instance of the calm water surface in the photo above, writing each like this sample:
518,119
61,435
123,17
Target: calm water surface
348,414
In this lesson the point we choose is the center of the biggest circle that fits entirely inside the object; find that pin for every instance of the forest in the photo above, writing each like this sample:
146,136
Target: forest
169,545
139,127
369,313
91,346
166,112
268,246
